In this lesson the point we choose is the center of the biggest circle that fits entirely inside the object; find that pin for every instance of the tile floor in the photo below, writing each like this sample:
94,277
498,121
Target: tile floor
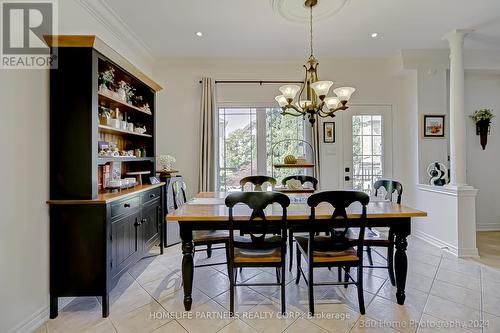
444,294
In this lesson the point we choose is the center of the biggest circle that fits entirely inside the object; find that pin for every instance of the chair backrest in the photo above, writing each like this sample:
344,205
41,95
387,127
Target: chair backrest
390,186
179,193
257,224
303,179
257,181
340,200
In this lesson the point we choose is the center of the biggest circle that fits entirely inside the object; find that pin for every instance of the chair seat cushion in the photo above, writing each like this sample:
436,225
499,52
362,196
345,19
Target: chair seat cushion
323,255
373,237
243,255
215,236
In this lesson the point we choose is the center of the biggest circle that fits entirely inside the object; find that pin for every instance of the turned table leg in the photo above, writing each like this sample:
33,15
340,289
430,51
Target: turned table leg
186,233
401,261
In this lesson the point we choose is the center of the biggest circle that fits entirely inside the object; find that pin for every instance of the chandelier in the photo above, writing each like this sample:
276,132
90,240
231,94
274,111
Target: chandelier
310,99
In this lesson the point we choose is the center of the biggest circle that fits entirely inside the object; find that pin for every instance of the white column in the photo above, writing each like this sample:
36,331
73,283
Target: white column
457,109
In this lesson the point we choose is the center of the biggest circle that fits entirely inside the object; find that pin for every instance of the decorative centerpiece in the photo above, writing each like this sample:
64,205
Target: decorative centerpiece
294,184
290,159
166,163
482,118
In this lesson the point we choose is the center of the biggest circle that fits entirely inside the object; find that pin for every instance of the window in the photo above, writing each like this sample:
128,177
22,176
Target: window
366,151
246,138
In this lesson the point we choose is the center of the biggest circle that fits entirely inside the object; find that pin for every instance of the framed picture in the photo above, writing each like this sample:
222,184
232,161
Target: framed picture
433,126
328,132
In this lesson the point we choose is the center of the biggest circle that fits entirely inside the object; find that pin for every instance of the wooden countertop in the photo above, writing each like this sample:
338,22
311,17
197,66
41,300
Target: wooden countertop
105,198
209,206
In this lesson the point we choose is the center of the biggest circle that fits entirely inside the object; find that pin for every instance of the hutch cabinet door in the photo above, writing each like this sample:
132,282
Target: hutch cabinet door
126,243
150,225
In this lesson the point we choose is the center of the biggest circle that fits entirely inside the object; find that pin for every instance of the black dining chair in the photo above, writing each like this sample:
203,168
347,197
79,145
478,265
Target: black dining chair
206,238
261,248
376,238
335,250
257,182
303,179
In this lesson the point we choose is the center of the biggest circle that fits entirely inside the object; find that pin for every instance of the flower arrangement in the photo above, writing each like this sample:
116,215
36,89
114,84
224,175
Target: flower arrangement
482,114
107,78
166,162
126,91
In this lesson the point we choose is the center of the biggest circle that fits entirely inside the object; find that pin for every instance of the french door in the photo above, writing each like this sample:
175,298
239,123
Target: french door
367,137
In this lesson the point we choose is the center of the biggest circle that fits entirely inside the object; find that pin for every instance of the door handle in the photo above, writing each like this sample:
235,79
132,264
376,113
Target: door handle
144,220
137,223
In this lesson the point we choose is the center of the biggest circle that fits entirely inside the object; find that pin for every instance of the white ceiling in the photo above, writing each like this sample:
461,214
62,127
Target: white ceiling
252,29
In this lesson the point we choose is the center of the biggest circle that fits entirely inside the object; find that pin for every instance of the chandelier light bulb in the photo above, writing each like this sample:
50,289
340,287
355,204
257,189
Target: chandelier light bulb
289,91
331,102
344,93
281,100
304,103
321,88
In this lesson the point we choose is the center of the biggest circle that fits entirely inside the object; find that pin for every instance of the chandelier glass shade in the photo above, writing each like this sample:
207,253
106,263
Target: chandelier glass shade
311,98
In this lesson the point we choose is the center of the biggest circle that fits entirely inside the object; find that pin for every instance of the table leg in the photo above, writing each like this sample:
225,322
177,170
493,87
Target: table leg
186,233
401,261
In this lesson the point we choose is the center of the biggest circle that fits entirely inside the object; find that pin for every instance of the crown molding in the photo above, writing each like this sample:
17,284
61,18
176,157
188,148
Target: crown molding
103,13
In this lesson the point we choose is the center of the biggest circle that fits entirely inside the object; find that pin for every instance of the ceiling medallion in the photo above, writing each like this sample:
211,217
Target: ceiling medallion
293,10
310,99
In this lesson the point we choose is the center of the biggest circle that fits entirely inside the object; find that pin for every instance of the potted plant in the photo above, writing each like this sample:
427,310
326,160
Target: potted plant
106,79
482,118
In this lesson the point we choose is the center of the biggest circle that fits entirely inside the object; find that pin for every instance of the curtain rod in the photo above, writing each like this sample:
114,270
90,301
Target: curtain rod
261,82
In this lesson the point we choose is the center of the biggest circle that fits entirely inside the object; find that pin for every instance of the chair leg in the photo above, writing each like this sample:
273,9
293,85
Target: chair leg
311,289
278,275
209,251
283,303
340,273
390,263
346,276
232,280
299,261
359,284
290,245
369,254
227,261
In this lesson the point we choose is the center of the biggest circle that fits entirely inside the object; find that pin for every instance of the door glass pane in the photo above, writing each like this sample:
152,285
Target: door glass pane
367,150
237,146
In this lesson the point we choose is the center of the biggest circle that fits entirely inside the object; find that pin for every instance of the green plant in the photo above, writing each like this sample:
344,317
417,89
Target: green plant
482,114
107,77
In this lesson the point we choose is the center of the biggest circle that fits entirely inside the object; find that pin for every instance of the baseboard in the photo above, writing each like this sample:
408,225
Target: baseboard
33,322
488,227
435,242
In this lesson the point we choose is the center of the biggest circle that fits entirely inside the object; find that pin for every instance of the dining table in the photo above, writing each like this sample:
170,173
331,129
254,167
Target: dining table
207,211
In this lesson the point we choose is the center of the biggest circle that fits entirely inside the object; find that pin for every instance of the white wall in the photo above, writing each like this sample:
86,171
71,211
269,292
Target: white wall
483,91
178,124
24,221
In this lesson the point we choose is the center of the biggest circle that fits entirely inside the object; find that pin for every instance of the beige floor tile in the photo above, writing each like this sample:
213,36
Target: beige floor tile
491,288
41,329
491,303
370,325
347,296
129,299
147,318
245,298
449,311
216,285
459,279
267,318
80,314
171,327
422,269
208,317
415,299
163,286
175,302
390,312
491,323
430,324
302,325
338,318
428,259
490,273
466,267
237,326
154,271
419,282
451,292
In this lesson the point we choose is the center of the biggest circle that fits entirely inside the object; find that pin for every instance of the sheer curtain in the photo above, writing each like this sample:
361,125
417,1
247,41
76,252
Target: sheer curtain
206,181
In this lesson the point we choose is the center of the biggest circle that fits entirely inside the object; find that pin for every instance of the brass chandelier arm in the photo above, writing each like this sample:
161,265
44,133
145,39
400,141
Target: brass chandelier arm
331,113
285,108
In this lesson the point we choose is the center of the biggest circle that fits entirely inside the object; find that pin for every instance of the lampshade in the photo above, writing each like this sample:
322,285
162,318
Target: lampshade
304,103
321,88
281,100
289,91
344,93
331,102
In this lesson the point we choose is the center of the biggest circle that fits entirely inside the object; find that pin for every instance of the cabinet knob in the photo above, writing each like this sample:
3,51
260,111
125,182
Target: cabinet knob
144,220
152,195
137,223
127,205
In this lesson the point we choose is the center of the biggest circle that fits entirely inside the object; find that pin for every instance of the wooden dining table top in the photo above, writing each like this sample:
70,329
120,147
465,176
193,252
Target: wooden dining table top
210,206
